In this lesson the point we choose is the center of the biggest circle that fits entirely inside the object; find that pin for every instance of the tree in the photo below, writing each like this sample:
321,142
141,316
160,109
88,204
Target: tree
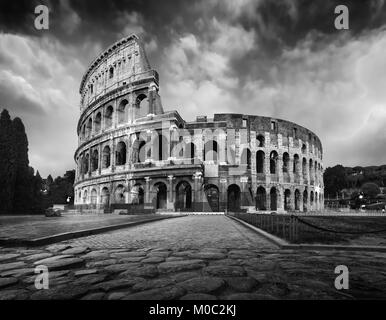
334,180
24,181
7,164
370,189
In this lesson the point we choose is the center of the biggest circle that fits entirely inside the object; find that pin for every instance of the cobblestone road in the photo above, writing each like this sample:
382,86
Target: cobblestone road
195,257
190,232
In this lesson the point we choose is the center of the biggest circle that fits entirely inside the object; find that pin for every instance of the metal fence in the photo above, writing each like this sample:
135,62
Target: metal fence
313,228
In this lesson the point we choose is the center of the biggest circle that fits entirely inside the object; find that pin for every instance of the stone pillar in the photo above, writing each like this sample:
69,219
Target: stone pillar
99,158
290,169
221,143
197,206
223,196
244,199
89,162
170,198
279,168
115,114
301,201
150,151
280,199
268,199
112,157
148,204
292,199
174,140
266,170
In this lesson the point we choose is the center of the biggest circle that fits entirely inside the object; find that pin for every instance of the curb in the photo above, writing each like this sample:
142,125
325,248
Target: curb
76,234
282,244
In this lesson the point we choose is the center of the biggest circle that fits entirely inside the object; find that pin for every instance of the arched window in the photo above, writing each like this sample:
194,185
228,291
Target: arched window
304,148
210,151
105,196
287,199
94,160
273,197
305,199
286,160
109,117
111,73
86,161
120,154
120,194
260,140
122,111
273,159
106,157
98,121
297,199
260,159
94,196
142,106
304,168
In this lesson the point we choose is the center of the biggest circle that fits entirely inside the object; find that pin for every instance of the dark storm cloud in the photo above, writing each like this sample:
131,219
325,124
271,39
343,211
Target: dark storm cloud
275,58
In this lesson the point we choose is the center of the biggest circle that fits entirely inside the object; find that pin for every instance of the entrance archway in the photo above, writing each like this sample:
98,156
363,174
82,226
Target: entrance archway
183,195
273,196
261,199
233,198
161,196
212,195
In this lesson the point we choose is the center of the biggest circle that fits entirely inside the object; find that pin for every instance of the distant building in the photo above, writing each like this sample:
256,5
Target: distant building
134,155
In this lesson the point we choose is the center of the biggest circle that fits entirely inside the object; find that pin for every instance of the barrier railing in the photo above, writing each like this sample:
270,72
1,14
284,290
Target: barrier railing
314,228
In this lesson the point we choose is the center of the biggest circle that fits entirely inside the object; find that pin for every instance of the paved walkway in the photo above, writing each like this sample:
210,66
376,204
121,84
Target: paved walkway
205,257
31,227
191,232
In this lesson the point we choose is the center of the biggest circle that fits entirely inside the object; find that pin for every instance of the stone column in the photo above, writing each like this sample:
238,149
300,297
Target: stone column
112,157
279,167
170,198
301,201
268,199
223,196
196,194
290,169
148,204
99,158
243,200
89,161
149,146
221,143
292,199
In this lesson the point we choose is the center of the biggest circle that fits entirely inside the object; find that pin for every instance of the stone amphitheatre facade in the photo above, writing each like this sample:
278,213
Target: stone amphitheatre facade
135,156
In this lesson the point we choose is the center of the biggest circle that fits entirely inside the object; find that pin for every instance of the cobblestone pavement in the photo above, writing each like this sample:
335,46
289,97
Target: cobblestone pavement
194,257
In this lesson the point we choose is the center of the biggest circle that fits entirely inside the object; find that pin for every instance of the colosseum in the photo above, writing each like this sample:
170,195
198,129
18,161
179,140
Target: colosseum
134,156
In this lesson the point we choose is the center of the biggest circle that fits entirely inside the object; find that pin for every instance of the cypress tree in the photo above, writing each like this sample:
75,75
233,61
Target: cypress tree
7,164
24,182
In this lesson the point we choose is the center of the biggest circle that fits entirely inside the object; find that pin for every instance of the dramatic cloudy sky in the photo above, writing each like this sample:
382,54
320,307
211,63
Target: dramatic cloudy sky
274,58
